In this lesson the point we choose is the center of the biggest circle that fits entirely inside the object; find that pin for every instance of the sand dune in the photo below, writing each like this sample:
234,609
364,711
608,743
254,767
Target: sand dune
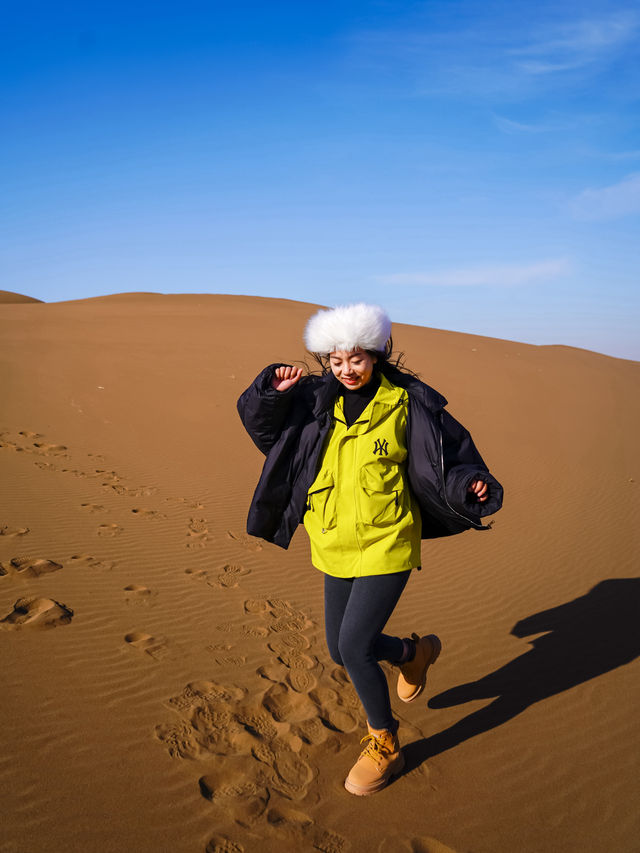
8,297
165,680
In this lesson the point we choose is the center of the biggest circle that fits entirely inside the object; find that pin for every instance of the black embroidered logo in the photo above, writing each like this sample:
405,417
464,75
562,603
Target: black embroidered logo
381,447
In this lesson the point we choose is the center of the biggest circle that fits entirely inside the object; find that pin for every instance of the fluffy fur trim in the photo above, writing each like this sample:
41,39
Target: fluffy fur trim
348,327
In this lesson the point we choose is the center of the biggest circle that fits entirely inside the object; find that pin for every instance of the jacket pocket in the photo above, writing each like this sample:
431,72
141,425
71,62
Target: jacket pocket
321,501
382,494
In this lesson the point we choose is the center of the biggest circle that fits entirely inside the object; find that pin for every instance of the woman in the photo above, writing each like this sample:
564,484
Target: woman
368,459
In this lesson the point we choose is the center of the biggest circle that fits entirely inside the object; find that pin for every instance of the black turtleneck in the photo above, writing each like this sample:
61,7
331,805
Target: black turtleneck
356,401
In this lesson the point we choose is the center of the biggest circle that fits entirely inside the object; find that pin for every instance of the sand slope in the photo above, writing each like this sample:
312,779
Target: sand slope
165,681
9,297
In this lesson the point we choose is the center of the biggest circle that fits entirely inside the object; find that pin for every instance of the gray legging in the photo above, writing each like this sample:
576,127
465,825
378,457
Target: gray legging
355,612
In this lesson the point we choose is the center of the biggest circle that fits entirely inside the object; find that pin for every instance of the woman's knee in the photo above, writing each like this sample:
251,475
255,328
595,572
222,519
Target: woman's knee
354,653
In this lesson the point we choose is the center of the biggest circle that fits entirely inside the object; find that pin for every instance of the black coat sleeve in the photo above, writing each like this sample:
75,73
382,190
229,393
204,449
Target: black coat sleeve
263,410
463,464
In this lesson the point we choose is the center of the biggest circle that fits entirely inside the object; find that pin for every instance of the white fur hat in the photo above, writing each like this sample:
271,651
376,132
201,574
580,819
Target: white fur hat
348,327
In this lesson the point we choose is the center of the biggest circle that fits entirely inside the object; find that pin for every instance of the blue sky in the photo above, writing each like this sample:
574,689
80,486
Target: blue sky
470,166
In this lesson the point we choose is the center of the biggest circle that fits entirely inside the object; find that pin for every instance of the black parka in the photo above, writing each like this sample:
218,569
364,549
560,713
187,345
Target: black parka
290,427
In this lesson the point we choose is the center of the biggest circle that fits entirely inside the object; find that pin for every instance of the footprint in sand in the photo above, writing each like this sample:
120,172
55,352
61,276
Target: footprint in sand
191,504
93,507
222,844
264,749
148,513
330,842
287,643
248,739
237,788
301,680
154,646
298,828
296,660
36,613
99,472
179,740
229,576
257,631
13,531
74,471
312,731
197,534
29,567
270,672
226,659
335,712
50,449
288,818
109,529
39,447
245,541
423,844
196,574
89,562
137,594
199,692
131,492
292,775
290,623
256,605
286,707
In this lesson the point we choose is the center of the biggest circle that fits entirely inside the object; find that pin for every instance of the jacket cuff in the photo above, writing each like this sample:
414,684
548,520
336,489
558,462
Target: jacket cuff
458,482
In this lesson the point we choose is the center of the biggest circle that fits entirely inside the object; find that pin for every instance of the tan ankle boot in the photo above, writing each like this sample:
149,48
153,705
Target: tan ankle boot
381,759
413,674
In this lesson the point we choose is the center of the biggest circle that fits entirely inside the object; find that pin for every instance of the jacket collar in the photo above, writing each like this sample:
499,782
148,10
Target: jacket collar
325,393
327,388
386,399
428,396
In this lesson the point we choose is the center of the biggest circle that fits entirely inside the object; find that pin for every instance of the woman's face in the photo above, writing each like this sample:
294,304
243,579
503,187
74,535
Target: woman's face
353,369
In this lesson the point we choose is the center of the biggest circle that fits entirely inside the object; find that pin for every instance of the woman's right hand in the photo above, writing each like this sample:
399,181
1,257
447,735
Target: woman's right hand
285,377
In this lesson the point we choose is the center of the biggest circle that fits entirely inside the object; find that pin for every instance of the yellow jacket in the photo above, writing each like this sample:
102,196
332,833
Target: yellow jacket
361,517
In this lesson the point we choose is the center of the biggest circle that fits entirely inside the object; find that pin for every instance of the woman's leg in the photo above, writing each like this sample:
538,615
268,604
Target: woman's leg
361,643
336,597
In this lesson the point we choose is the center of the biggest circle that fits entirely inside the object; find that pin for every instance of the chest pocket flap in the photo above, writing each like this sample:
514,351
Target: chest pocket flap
383,488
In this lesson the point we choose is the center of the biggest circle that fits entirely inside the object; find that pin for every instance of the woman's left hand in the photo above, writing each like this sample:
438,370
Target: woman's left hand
480,489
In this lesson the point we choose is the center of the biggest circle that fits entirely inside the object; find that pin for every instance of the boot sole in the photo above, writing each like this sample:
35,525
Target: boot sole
364,791
437,648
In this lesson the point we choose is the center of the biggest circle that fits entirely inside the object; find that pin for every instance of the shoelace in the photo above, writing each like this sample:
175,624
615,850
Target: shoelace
376,749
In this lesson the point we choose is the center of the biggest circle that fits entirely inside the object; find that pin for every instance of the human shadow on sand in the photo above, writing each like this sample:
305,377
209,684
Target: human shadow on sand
586,637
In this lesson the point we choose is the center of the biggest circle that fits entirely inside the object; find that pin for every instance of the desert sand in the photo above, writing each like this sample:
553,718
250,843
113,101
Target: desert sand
165,682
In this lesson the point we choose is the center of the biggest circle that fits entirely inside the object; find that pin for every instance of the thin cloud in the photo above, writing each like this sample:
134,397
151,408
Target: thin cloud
490,275
489,61
577,45
507,125
612,202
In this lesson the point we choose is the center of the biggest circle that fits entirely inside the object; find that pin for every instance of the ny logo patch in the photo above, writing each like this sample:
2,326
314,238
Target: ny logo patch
381,447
